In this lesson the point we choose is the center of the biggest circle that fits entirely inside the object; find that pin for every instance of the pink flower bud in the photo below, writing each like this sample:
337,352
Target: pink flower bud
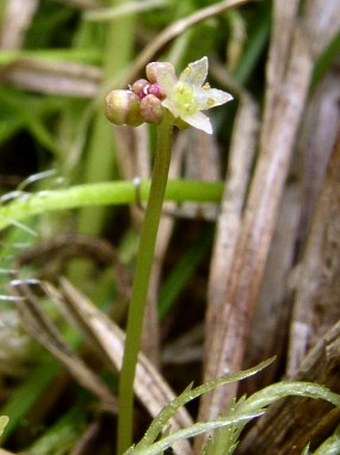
123,107
156,89
151,109
140,87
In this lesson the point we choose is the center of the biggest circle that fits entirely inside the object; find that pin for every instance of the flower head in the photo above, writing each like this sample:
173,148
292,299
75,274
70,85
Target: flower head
185,97
188,95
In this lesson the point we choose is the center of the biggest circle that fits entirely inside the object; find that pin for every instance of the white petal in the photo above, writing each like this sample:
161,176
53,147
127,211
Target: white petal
199,121
195,73
166,77
211,97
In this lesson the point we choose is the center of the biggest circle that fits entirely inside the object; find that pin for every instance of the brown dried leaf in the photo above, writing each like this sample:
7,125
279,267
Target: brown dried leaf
17,18
317,305
57,77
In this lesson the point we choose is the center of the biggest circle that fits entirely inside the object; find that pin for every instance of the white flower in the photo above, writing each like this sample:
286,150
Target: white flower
188,95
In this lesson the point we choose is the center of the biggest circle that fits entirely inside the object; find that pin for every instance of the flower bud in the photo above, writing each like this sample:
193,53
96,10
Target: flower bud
151,109
156,89
150,70
123,107
140,87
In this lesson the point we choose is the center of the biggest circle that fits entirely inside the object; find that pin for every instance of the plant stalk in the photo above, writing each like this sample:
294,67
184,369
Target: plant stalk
140,286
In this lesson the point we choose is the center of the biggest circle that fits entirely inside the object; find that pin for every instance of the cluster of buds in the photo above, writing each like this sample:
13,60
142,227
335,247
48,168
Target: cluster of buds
184,98
142,102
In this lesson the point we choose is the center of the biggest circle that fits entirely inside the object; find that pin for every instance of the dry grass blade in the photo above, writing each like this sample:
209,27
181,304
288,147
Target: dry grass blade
201,161
57,77
228,228
18,16
150,386
318,136
46,333
285,15
276,146
317,305
274,304
240,162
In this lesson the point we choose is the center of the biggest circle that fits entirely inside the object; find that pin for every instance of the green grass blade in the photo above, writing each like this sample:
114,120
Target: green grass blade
100,194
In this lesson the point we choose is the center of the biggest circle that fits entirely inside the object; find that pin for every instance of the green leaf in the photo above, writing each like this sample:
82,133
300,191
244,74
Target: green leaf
194,430
189,394
274,392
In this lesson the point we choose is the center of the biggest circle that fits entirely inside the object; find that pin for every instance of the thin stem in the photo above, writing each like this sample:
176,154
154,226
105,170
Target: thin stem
141,283
25,205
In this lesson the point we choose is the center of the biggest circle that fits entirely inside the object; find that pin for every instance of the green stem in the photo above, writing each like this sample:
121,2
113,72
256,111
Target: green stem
105,193
141,283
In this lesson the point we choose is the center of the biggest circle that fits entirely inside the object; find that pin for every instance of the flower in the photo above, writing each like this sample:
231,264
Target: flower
188,95
185,97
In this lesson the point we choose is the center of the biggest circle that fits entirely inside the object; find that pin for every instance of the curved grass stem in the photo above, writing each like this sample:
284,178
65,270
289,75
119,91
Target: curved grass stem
26,205
141,283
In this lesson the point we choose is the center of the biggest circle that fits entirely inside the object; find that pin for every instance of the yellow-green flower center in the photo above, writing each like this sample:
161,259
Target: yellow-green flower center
184,99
